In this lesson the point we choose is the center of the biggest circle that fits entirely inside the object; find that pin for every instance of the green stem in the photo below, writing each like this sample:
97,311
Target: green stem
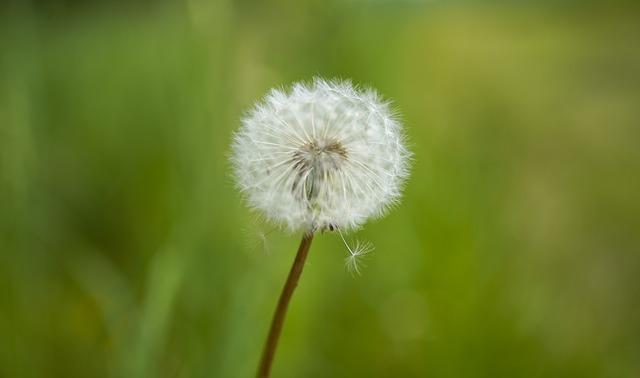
269,351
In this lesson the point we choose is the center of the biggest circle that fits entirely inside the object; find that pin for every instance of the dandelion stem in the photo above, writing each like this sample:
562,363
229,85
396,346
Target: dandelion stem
283,303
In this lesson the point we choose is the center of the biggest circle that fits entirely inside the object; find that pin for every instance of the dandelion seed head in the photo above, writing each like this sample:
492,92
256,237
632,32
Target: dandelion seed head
320,156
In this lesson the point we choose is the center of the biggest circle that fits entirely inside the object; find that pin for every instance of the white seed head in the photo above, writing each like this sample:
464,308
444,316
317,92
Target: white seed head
324,155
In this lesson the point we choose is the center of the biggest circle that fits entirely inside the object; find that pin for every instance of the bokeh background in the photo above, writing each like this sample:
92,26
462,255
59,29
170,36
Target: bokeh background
125,250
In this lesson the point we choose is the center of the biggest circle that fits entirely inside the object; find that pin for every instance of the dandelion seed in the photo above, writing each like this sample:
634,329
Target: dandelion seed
257,237
353,262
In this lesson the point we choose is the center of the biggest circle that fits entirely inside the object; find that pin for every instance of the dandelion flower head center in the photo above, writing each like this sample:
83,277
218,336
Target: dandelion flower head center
315,162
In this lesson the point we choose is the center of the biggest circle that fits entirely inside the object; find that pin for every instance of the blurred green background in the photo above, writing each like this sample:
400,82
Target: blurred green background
125,250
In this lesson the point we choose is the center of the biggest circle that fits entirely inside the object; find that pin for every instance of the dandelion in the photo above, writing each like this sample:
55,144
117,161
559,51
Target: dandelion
322,156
